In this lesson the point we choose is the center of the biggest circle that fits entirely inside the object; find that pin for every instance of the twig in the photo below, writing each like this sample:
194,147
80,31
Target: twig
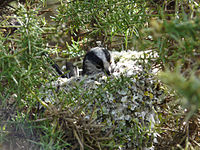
39,100
94,125
109,132
79,141
43,119
168,129
88,146
194,142
99,146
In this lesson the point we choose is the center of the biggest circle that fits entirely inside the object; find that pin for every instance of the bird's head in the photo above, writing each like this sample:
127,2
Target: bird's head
97,60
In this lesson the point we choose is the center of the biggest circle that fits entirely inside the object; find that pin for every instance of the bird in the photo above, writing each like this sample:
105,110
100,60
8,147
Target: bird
97,60
71,69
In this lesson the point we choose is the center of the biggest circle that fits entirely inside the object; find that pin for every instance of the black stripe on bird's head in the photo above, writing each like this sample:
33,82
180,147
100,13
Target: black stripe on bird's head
97,60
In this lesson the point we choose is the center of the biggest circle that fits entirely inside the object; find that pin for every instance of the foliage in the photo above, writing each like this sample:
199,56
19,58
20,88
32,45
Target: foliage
176,40
21,57
169,28
101,20
188,89
22,70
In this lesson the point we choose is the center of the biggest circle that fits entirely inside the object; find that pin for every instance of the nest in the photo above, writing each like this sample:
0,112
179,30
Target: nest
103,112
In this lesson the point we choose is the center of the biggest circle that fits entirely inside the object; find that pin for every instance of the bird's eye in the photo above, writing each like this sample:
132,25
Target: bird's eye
98,67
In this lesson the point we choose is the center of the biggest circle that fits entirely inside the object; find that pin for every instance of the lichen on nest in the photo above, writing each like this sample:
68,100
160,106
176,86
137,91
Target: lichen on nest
124,103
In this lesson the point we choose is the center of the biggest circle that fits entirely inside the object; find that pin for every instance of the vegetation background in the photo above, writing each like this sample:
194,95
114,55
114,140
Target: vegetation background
31,30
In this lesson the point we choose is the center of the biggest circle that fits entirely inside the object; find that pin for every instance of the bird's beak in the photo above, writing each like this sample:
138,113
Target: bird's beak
108,71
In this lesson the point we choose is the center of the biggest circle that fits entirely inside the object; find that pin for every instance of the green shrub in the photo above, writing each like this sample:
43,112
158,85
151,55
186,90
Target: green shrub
108,21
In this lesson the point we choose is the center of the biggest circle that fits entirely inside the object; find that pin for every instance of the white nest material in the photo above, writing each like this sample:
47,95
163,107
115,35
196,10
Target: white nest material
129,62
127,97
